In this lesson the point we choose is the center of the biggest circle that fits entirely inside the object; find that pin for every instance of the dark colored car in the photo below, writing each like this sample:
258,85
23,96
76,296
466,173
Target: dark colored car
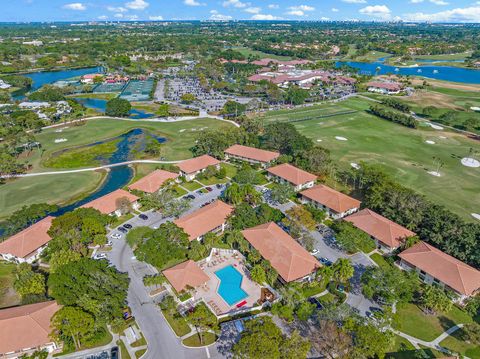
376,310
218,186
209,189
114,353
123,230
325,261
128,226
143,216
315,301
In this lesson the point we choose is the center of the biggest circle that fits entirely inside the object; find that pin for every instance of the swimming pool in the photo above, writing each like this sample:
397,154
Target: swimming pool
230,285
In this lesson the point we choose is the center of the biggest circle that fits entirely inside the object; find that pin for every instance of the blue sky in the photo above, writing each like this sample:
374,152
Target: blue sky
79,10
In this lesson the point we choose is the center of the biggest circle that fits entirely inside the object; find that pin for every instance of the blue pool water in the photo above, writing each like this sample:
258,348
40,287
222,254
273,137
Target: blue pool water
230,282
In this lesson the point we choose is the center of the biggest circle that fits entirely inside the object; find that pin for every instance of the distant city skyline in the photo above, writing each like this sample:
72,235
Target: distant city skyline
462,11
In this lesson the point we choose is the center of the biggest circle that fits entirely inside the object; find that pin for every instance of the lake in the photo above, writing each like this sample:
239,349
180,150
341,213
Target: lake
446,73
100,106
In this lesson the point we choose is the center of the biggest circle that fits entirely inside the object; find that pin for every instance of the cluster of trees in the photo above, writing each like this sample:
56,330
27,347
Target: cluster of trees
26,216
400,118
166,202
396,104
433,223
352,239
47,93
118,107
246,216
29,284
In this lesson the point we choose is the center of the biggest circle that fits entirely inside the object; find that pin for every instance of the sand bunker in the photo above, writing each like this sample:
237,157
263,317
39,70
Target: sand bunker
434,173
430,142
476,216
59,140
436,127
442,137
340,138
319,140
355,165
182,130
470,162
475,108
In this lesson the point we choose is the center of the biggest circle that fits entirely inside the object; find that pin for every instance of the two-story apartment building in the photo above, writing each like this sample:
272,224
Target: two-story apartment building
336,204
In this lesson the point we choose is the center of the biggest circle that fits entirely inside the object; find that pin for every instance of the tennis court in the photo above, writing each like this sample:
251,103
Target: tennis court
137,90
106,87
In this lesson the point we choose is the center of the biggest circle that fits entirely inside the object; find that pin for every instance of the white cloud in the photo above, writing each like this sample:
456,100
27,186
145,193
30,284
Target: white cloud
102,17
302,8
234,3
296,13
155,18
193,3
378,11
355,1
215,15
334,9
131,17
468,14
76,6
273,6
323,18
439,2
416,1
265,17
253,10
118,15
116,9
137,5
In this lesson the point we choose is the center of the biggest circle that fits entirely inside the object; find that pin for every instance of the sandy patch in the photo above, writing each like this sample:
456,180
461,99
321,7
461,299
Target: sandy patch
476,216
436,127
60,140
434,173
319,140
340,138
182,130
430,142
442,137
475,108
355,165
470,162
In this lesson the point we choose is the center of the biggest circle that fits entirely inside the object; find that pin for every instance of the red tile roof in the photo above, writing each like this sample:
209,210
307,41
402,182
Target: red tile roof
153,182
108,204
27,326
184,275
391,86
252,153
330,198
197,164
289,258
379,227
292,174
449,270
205,219
24,243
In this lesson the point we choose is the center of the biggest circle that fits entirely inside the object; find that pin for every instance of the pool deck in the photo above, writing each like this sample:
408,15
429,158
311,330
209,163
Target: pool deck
209,292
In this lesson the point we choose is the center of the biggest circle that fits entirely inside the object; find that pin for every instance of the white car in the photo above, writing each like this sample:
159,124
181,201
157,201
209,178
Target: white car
100,256
314,252
115,236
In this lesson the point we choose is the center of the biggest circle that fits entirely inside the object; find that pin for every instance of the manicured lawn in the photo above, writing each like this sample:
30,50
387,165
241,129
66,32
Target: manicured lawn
327,298
121,219
178,324
191,186
8,296
401,151
249,52
101,96
457,344
402,349
53,189
212,181
412,321
194,340
139,353
231,169
377,258
179,191
311,290
123,350
139,343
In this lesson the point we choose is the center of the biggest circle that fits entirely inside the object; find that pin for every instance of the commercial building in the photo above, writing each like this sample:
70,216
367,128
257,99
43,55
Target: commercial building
385,88
336,204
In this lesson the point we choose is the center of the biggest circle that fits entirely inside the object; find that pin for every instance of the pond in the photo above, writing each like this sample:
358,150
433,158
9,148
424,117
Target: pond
446,73
41,78
117,177
100,106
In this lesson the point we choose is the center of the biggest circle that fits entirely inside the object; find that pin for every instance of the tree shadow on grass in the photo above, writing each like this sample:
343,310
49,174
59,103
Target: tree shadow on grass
446,323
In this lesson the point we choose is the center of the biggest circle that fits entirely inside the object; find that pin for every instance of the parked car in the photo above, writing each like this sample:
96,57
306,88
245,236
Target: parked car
314,252
218,186
115,236
109,243
100,256
128,226
114,353
209,189
143,216
122,229
325,261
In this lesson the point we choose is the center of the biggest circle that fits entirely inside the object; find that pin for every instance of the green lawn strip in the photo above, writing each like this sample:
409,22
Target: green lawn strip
53,189
184,296
139,353
179,191
139,343
123,350
412,321
122,219
402,152
432,353
250,52
309,290
178,324
194,340
402,349
326,298
378,258
191,186
8,296
97,95
457,344
82,156
270,185
212,181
